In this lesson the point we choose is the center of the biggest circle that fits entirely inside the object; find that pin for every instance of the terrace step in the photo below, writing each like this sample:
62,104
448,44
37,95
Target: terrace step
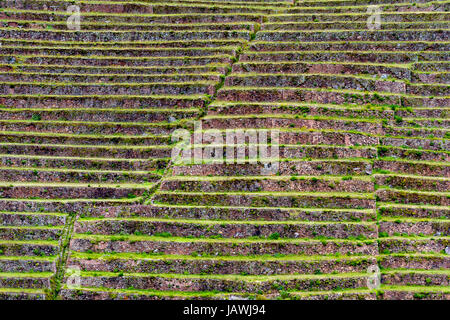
45,190
435,112
339,3
27,219
262,184
416,261
212,43
141,116
284,200
222,265
26,265
155,51
70,139
286,139
321,95
419,245
397,7
132,26
353,25
110,72
286,153
110,78
101,61
414,293
112,17
295,167
101,36
426,102
61,88
213,213
301,109
413,197
60,205
82,162
413,211
35,248
218,247
381,57
93,128
365,45
79,176
419,278
315,81
419,133
107,102
420,183
143,8
136,294
425,144
413,167
435,66
21,294
230,229
30,233
334,295
348,68
435,77
61,150
36,280
427,89
413,154
284,121
222,283
353,35
421,122
416,226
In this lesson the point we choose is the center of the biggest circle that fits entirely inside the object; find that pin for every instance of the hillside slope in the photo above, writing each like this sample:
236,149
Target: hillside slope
356,115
